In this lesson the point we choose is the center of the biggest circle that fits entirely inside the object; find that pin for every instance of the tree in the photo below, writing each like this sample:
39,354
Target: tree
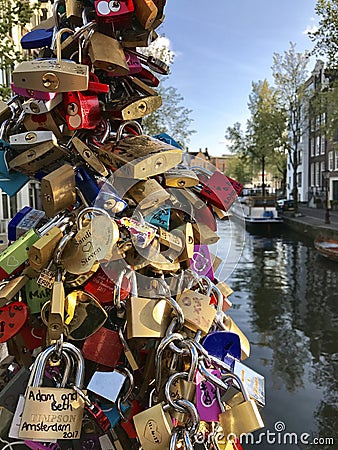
172,117
290,73
12,14
326,35
263,143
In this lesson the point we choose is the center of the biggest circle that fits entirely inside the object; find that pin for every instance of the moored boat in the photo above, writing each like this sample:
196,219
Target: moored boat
327,247
259,212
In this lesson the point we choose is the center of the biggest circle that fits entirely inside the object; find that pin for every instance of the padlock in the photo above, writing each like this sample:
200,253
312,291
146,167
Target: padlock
146,12
9,289
133,109
54,75
58,190
154,427
41,37
226,323
201,261
36,295
74,10
10,182
82,110
160,217
33,93
224,345
103,347
153,157
137,36
164,137
91,243
253,382
43,122
242,418
87,185
56,323
108,385
89,156
41,252
148,195
142,233
155,64
85,315
117,11
198,314
43,158
23,221
41,403
102,283
34,106
204,235
180,178
206,396
23,141
106,53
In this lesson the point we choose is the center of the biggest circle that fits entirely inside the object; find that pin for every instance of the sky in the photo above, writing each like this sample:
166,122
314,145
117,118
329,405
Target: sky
221,47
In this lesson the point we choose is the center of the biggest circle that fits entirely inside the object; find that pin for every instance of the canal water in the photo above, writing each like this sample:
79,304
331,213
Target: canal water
286,301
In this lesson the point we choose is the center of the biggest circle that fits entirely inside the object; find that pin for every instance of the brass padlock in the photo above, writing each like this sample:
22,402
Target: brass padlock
41,252
204,235
242,418
58,190
148,195
89,156
44,405
180,178
146,12
74,9
106,53
153,427
197,311
43,122
9,289
45,156
53,75
227,323
139,156
135,109
56,323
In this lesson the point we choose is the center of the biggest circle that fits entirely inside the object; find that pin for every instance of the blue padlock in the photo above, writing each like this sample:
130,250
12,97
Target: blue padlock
164,137
37,39
26,219
160,217
87,185
113,414
10,182
225,345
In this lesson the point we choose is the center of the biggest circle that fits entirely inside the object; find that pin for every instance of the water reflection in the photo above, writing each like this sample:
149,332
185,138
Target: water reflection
286,301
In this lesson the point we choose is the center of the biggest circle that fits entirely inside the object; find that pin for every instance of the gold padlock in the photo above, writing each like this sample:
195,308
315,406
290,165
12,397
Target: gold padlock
146,12
135,109
204,235
42,251
56,324
148,195
89,156
242,418
229,325
53,75
74,9
198,313
45,156
9,289
58,190
153,427
180,178
106,53
47,121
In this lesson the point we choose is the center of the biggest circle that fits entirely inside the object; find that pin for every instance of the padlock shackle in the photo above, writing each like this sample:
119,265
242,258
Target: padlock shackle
240,384
58,42
121,128
89,210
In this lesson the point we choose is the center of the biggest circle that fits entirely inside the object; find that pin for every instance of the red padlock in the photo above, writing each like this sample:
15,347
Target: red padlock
103,347
218,189
82,110
119,12
102,286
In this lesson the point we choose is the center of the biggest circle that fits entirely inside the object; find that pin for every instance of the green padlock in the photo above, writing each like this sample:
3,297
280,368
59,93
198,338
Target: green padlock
36,295
17,253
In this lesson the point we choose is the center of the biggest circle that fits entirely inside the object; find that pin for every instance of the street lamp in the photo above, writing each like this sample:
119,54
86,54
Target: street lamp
326,175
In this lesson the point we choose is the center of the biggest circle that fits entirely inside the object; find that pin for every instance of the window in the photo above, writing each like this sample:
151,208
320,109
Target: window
5,209
322,145
312,144
299,179
317,145
331,160
312,175
317,180
35,196
322,170
336,158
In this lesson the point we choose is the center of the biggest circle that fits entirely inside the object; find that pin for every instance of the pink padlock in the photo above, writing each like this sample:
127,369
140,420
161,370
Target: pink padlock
31,93
206,397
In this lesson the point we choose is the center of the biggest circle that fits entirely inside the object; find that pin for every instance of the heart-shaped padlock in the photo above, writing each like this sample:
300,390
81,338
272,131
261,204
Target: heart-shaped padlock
12,318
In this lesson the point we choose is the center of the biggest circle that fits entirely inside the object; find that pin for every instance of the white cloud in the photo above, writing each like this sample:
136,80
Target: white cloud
310,29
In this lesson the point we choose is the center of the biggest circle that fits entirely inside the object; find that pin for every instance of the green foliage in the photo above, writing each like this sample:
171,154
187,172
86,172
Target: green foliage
326,36
241,169
172,118
290,73
12,14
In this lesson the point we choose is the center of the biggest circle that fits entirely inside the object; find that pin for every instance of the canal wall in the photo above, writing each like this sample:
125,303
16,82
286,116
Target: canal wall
310,227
